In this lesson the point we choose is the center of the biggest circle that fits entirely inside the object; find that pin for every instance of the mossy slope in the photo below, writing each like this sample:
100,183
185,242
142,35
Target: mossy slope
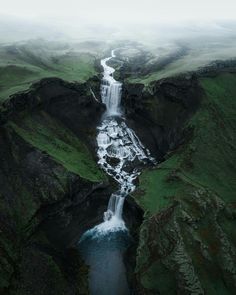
51,137
23,64
187,242
30,181
43,166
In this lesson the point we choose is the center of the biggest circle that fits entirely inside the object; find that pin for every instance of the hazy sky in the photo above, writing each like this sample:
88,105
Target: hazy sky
104,11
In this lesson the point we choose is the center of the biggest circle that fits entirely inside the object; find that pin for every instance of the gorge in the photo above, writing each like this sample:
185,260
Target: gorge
69,161
119,154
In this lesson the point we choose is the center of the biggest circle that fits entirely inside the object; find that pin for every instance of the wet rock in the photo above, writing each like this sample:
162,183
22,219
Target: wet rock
71,103
52,206
38,192
158,113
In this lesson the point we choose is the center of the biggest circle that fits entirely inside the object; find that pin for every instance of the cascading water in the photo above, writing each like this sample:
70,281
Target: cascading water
119,152
110,88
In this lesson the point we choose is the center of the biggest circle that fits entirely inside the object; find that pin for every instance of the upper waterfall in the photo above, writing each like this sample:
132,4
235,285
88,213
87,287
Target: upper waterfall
110,88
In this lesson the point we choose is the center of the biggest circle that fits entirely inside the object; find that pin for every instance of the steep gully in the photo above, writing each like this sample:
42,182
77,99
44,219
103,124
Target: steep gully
120,153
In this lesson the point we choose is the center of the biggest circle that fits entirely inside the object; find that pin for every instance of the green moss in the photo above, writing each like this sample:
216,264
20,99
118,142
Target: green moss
61,144
207,159
164,283
75,67
49,281
199,178
19,70
212,151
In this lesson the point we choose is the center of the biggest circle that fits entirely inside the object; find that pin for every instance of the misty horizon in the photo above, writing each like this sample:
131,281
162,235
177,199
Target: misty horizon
130,11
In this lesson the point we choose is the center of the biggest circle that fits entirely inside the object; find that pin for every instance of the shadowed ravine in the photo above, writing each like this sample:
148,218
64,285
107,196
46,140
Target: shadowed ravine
119,152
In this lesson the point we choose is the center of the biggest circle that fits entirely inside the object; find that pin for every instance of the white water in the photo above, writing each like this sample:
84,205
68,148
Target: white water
119,153
118,148
110,88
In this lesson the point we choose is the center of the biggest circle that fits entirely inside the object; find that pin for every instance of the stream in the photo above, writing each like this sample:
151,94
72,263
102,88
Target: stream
120,154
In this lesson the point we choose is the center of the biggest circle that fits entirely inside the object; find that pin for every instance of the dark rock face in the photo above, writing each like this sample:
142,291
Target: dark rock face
31,183
44,207
34,188
158,114
76,108
65,227
56,96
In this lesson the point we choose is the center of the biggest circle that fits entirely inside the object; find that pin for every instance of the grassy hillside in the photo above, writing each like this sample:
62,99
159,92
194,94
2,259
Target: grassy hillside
51,137
23,64
187,242
156,60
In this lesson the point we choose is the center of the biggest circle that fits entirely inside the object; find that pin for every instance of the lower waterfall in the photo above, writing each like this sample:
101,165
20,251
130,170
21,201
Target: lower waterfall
119,153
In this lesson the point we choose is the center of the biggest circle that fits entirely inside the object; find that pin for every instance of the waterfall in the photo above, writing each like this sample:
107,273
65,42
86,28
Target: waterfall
110,88
118,148
119,152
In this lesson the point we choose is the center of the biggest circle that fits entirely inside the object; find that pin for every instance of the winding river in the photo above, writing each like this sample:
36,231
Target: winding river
119,153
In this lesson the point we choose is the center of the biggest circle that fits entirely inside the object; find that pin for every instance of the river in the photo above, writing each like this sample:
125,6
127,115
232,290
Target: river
119,154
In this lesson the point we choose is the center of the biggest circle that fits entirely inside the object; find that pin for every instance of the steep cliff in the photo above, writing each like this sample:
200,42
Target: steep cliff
45,171
52,189
187,240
